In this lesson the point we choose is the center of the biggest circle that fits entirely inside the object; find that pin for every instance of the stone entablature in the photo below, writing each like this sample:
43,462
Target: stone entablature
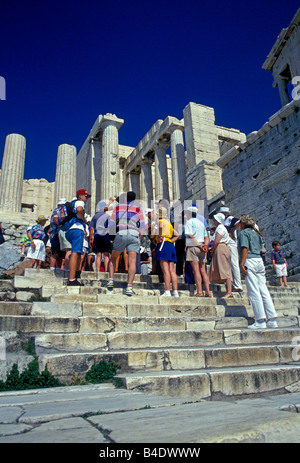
284,58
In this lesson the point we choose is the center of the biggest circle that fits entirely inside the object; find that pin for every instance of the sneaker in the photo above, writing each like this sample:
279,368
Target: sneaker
129,291
272,324
166,294
175,294
258,326
74,283
110,284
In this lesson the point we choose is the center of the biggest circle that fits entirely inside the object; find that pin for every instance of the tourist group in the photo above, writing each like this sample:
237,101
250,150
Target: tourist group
118,236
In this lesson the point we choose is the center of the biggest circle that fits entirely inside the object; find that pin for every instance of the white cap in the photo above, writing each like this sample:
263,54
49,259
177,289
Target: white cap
192,209
224,209
219,218
148,210
61,201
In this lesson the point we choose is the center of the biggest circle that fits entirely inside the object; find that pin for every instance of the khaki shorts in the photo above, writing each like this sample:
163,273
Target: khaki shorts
194,253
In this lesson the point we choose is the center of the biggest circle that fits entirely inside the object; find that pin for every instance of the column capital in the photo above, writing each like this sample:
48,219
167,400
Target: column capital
148,158
111,119
159,144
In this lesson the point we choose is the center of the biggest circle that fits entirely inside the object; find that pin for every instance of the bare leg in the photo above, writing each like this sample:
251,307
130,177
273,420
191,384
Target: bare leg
131,266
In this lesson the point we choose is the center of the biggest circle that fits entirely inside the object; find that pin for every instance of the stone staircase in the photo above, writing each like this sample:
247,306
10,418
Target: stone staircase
190,347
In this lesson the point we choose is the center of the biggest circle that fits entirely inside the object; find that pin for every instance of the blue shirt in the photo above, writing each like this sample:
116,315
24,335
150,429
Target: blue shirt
197,228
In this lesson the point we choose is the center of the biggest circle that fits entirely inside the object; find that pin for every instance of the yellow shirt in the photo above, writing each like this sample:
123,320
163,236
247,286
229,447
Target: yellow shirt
167,231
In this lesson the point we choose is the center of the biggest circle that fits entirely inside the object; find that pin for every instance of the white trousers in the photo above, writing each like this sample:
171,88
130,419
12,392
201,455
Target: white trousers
235,267
258,292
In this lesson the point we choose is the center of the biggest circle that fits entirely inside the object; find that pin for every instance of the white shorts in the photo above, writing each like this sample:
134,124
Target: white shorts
281,270
39,253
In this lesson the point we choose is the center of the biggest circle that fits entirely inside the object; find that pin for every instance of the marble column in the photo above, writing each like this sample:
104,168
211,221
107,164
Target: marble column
110,169
13,164
161,172
178,164
65,176
146,184
134,183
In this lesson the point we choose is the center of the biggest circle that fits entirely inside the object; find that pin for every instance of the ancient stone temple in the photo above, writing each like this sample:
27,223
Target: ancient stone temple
185,158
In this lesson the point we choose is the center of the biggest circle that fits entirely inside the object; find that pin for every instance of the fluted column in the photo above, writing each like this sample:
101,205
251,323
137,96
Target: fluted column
161,172
146,184
134,183
65,176
13,163
110,170
178,164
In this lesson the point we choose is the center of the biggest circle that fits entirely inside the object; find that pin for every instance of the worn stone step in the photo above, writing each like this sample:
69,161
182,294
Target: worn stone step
80,342
65,365
15,308
215,383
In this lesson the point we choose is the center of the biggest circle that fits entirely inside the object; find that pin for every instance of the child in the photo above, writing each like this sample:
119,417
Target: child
279,263
25,241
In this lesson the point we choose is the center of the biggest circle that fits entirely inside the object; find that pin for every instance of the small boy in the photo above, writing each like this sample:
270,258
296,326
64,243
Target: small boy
25,241
279,263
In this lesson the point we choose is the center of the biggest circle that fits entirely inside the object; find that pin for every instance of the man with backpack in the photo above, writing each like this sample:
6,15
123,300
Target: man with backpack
127,220
99,235
75,230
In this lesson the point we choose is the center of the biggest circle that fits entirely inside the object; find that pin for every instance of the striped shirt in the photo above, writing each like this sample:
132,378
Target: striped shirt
127,217
278,257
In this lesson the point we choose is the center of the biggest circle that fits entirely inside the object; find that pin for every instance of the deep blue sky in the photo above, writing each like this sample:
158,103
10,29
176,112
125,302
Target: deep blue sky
66,62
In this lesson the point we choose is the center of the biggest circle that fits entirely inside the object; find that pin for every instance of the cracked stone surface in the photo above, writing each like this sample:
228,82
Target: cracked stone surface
105,415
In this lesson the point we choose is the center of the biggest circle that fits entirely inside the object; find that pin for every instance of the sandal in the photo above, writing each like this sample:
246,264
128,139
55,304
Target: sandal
208,295
199,295
228,295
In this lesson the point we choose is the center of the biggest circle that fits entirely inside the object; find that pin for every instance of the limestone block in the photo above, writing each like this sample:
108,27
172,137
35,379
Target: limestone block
24,295
51,309
252,381
61,325
185,359
145,360
256,337
195,386
162,338
24,324
104,309
241,356
73,342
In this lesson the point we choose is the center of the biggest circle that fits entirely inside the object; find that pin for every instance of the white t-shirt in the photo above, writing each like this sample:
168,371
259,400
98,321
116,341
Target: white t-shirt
225,238
78,224
196,228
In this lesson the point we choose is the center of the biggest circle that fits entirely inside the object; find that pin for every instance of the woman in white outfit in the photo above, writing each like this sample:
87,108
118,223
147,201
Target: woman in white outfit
253,270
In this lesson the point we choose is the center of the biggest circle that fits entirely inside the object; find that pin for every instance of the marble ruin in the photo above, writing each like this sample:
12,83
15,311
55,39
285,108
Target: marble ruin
182,159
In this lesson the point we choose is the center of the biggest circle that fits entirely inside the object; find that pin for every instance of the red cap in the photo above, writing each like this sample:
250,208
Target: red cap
83,192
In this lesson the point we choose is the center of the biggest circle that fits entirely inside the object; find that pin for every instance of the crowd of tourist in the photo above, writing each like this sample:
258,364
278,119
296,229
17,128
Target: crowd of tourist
116,238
